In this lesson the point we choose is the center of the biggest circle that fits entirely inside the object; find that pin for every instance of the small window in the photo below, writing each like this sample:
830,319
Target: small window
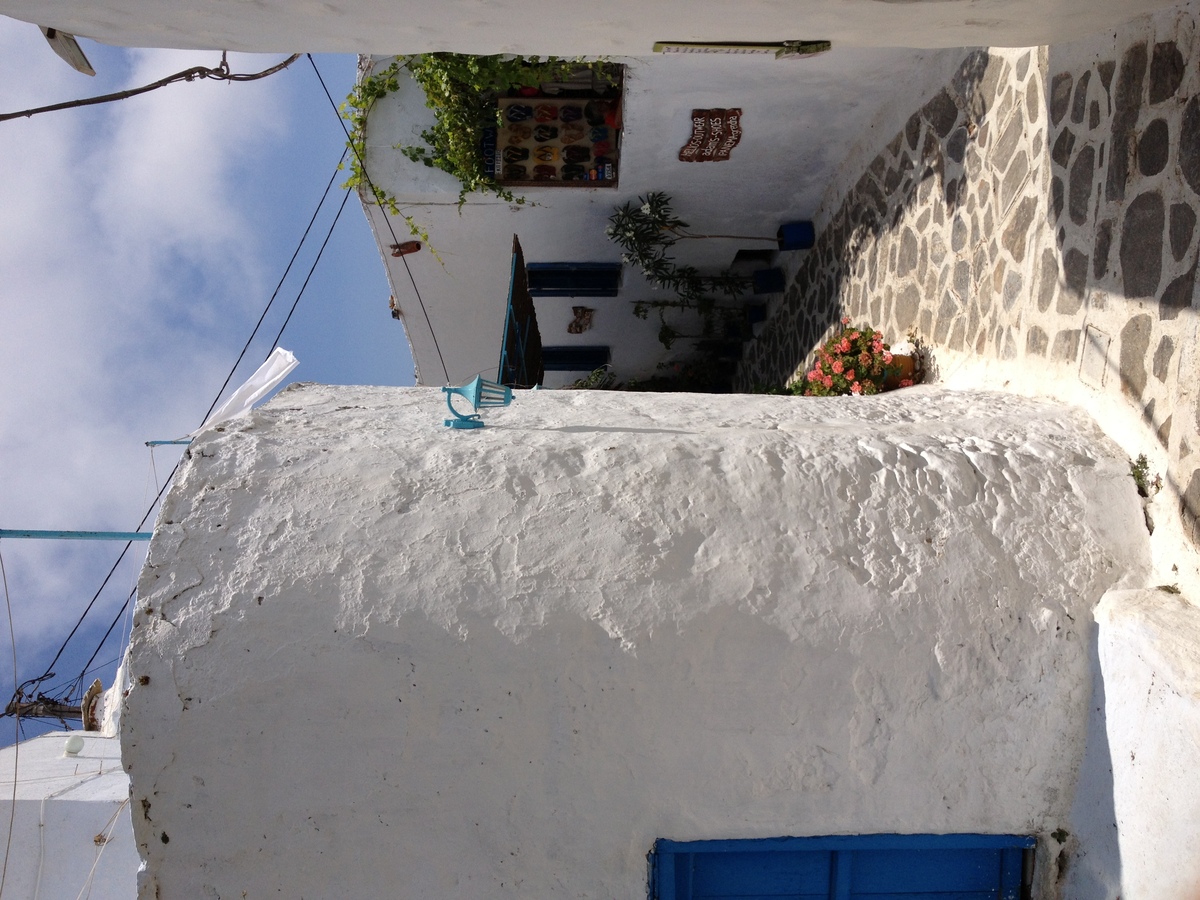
574,279
566,134
849,867
574,359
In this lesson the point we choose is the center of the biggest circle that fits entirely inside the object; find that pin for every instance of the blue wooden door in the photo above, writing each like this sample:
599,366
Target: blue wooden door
850,867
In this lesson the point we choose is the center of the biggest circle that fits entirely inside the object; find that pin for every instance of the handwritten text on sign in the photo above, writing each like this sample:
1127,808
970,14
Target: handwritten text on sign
715,132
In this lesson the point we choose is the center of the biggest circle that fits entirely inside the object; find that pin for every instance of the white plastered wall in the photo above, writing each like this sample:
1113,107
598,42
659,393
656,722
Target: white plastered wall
395,660
1137,817
576,29
803,120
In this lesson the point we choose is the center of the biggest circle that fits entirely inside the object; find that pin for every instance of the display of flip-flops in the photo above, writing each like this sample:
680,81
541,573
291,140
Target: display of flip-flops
572,140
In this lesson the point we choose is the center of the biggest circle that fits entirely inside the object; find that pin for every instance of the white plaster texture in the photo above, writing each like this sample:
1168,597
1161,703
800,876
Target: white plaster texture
1150,656
553,27
375,657
71,834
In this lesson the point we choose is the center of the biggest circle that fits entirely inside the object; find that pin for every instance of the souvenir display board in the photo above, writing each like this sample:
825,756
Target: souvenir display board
557,141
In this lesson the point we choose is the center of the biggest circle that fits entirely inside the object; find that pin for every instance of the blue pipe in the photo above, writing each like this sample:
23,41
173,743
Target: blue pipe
77,535
160,443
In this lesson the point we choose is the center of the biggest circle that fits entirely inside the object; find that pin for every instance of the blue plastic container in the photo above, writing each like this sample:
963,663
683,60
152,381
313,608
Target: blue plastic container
796,236
768,281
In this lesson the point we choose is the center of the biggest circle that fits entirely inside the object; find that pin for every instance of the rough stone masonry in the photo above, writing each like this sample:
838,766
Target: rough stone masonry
1040,209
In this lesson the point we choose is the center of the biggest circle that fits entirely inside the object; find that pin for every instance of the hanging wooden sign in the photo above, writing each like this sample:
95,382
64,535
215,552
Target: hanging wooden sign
779,50
715,132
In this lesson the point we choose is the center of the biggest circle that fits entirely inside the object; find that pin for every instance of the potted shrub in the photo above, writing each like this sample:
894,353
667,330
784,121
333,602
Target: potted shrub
645,232
857,361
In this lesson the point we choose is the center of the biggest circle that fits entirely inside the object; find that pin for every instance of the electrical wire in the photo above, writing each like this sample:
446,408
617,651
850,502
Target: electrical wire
12,813
312,269
111,825
362,163
49,673
96,668
77,684
275,293
220,73
79,681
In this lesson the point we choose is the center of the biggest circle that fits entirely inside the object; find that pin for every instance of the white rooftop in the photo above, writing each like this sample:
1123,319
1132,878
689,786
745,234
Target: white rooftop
71,834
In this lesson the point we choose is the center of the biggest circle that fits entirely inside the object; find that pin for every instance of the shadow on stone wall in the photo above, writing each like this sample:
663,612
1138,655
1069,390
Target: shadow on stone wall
920,223
1125,234
1035,211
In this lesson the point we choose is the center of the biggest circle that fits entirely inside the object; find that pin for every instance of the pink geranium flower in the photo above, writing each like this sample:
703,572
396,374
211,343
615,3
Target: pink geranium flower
853,361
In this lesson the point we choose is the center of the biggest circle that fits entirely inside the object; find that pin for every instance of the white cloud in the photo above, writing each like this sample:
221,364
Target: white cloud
130,271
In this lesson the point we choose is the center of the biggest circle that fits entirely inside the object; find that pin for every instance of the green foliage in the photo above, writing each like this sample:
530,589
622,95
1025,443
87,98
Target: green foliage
462,90
600,379
1140,470
707,373
703,374
355,110
645,232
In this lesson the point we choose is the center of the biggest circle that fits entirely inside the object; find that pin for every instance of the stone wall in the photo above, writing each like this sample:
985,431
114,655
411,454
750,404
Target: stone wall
935,233
1041,209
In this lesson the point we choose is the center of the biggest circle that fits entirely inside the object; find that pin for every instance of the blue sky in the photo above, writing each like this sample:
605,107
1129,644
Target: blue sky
139,243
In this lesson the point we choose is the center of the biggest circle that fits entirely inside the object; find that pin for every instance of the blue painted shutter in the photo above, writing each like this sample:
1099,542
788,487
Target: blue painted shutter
574,279
574,359
858,867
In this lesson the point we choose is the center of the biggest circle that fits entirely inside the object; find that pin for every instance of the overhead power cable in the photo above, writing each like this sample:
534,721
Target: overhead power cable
195,73
311,269
362,164
78,682
12,813
282,278
28,688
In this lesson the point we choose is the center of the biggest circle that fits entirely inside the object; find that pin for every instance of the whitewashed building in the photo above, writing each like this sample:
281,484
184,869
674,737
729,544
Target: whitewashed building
71,834
623,27
562,655
392,659
802,120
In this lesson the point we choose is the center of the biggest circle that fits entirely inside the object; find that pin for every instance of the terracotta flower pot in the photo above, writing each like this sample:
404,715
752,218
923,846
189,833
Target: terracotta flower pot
901,368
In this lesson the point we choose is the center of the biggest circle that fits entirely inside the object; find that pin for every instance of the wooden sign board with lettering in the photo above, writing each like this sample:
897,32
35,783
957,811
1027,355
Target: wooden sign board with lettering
715,132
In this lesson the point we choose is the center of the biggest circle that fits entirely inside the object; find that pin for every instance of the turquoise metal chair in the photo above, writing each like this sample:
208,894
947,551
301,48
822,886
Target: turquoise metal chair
481,395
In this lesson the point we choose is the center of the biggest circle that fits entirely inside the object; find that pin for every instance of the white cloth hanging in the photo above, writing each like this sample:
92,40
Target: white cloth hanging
277,367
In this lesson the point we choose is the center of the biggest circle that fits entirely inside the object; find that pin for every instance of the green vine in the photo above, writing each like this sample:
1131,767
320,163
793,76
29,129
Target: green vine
355,109
462,90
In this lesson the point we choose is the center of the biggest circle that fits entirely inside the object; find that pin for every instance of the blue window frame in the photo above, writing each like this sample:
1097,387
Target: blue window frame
845,867
574,358
574,279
